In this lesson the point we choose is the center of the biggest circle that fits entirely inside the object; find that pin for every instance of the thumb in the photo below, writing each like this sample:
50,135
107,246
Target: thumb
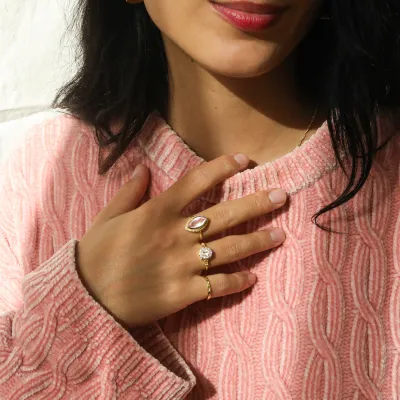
128,197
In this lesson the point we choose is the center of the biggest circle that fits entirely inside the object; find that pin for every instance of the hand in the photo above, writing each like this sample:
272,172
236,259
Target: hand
142,265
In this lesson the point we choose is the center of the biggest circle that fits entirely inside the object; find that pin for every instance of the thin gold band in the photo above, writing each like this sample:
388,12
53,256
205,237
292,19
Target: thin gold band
209,290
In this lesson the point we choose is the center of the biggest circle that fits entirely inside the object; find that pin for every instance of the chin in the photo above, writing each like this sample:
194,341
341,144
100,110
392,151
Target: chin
240,62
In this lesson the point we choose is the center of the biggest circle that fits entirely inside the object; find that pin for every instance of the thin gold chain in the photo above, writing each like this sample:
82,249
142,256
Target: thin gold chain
309,127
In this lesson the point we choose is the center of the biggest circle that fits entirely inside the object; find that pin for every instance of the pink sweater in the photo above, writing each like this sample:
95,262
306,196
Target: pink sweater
322,321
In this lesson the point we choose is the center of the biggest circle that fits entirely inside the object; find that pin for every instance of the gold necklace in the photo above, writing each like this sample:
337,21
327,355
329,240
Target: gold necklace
309,127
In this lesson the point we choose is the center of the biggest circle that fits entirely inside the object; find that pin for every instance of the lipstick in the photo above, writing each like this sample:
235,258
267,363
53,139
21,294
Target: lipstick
248,16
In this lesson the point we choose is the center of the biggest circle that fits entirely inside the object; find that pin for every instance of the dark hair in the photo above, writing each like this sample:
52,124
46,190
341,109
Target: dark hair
123,73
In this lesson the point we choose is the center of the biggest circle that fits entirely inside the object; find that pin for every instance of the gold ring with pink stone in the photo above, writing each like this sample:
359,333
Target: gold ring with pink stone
197,224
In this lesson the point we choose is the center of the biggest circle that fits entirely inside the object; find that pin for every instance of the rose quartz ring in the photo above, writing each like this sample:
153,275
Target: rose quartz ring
197,224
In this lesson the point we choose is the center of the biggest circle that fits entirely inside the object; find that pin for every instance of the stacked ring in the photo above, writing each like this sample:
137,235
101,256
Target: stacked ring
209,290
197,224
205,253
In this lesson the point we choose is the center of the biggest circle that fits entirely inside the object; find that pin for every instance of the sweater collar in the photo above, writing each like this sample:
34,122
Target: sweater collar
292,172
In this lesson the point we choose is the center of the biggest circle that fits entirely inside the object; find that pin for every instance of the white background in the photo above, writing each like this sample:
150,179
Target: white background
37,56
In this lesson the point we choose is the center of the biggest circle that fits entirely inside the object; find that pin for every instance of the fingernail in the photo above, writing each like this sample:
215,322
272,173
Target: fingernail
242,159
252,279
137,171
277,235
277,196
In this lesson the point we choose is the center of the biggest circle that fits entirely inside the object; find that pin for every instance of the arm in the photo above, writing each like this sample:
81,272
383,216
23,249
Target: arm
57,342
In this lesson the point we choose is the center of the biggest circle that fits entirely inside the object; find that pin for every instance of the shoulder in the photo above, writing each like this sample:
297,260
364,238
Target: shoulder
52,187
61,149
52,140
48,141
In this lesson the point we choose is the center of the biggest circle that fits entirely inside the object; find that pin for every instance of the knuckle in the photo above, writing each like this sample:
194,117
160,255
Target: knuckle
261,204
157,209
165,240
228,164
172,293
225,286
234,250
198,178
224,214
245,244
159,238
263,239
236,282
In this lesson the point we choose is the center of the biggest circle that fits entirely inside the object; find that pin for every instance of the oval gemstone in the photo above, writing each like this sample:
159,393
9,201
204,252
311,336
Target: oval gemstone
197,222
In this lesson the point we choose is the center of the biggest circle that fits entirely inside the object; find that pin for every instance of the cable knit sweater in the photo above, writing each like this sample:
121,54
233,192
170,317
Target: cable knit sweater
322,321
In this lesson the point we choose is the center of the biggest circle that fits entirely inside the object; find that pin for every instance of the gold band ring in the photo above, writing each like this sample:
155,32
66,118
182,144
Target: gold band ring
209,289
197,224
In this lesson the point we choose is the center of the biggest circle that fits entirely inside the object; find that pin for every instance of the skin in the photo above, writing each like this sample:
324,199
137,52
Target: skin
237,90
232,90
141,265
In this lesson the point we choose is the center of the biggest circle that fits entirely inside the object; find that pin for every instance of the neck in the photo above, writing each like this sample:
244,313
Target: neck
217,115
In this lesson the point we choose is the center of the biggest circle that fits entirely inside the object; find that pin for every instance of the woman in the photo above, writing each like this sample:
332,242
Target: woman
240,238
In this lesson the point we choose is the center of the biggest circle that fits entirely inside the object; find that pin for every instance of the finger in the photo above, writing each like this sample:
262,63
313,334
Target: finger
221,284
236,247
202,178
234,212
128,197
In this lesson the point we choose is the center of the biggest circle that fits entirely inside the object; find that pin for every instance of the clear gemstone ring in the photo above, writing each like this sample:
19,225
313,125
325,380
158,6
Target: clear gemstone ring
205,254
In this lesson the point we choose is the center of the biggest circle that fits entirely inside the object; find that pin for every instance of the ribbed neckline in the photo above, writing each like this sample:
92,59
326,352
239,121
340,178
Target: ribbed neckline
292,172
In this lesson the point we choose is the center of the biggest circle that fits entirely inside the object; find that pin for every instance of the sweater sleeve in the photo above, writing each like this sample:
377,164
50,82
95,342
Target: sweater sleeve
56,341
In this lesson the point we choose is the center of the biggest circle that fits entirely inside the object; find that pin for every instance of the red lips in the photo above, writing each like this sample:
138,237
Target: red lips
250,7
248,16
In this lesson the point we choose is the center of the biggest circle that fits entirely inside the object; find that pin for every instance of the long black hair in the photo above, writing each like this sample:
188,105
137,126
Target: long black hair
123,73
